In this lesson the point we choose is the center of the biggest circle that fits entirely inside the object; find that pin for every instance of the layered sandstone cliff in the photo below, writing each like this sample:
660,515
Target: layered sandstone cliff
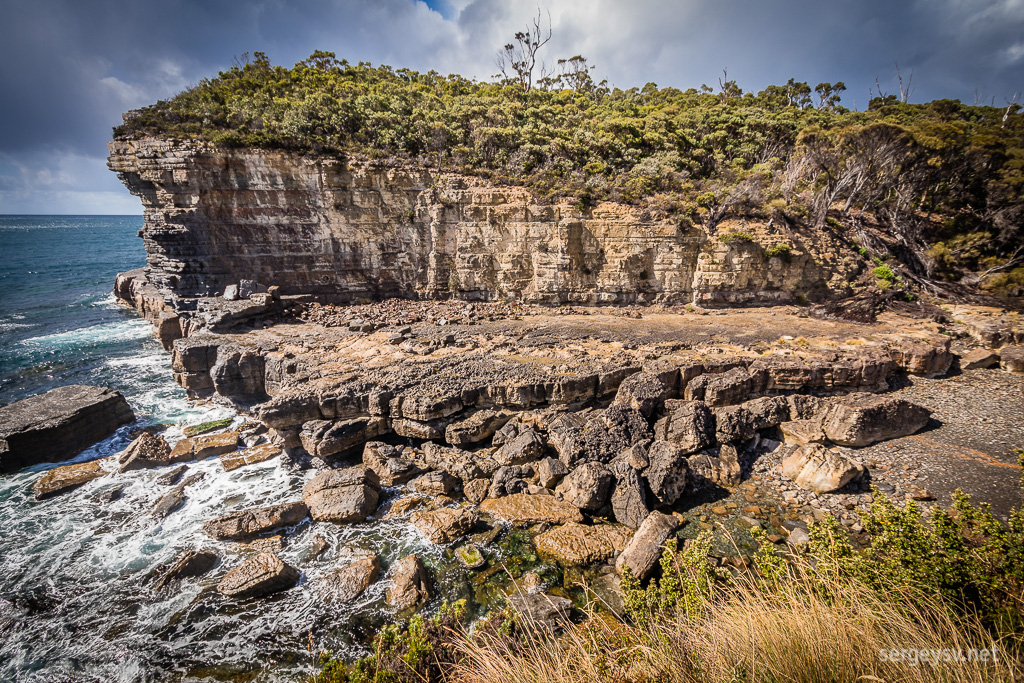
348,230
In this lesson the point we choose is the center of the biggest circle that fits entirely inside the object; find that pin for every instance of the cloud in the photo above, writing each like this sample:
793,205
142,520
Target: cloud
68,69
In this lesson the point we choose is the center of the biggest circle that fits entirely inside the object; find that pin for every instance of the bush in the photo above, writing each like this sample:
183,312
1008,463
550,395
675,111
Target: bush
782,250
885,274
736,237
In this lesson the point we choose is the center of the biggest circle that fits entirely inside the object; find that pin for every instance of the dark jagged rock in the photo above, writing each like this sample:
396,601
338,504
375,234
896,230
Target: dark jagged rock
688,424
188,564
59,424
149,450
388,463
629,500
666,475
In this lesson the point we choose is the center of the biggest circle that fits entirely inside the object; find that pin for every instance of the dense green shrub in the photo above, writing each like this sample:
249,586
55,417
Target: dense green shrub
736,238
782,250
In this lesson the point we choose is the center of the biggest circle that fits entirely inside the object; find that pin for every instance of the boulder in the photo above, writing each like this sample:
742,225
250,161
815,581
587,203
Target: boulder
203,447
188,564
462,465
979,358
527,446
1011,359
173,500
642,552
438,483
666,475
260,575
587,487
414,429
172,476
818,469
733,423
340,496
929,357
609,432
389,464
59,424
688,424
722,469
508,480
149,450
250,456
476,490
323,438
247,523
349,582
541,611
409,584
478,427
577,544
644,392
444,525
862,419
727,388
800,432
635,457
522,509
550,471
64,479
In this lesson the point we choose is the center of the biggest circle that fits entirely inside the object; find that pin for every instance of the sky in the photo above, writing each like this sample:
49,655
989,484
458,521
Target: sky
69,68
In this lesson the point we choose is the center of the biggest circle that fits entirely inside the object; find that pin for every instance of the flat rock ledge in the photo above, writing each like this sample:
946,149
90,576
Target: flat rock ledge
63,479
59,424
525,509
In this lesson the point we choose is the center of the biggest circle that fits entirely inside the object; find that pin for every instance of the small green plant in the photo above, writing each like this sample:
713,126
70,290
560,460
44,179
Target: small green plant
736,237
454,286
885,274
833,223
863,252
687,583
198,429
417,653
782,250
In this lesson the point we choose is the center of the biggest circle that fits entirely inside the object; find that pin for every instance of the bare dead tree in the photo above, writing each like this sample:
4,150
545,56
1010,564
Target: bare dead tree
979,97
908,90
1011,107
520,56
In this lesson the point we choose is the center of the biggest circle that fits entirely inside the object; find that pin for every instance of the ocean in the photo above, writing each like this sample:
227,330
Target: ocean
76,570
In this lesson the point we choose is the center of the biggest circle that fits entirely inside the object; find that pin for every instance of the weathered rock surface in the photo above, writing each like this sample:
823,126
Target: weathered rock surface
644,549
260,575
816,468
188,564
437,483
409,584
550,472
578,544
342,496
249,456
203,447
1011,359
587,487
444,525
629,499
201,235
59,424
64,479
527,446
524,509
149,450
388,463
979,358
349,582
863,419
667,474
323,438
247,523
542,611
479,426
688,424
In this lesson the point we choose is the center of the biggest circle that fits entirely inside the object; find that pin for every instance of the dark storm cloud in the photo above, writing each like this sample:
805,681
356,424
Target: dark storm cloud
68,68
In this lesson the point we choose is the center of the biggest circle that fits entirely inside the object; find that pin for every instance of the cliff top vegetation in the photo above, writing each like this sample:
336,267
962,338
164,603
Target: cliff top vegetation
944,180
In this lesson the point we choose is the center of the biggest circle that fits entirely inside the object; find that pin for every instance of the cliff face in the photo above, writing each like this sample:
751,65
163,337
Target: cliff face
348,230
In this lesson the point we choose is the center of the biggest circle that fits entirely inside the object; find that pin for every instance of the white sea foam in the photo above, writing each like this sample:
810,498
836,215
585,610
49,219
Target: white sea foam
106,333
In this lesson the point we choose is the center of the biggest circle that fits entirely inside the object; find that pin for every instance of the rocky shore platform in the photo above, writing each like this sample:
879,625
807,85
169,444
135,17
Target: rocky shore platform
587,435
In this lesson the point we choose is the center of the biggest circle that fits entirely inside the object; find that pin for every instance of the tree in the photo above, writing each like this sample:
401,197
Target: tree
520,56
829,94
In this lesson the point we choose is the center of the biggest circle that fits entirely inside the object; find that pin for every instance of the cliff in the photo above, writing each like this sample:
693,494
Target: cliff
346,229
